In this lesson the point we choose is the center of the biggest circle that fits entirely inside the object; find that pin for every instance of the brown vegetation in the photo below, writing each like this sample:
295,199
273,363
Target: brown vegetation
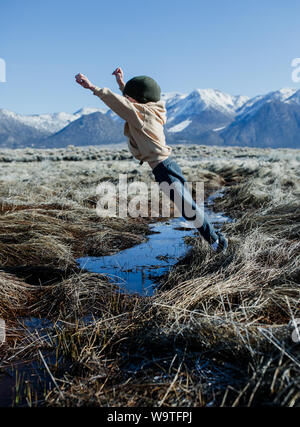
217,332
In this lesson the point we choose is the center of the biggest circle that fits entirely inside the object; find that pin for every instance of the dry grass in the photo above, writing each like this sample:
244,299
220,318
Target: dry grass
216,334
15,296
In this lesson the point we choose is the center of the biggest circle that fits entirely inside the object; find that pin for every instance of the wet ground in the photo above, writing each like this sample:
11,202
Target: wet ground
22,383
136,268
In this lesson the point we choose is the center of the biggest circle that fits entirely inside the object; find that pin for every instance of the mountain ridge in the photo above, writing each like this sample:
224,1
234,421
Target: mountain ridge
204,116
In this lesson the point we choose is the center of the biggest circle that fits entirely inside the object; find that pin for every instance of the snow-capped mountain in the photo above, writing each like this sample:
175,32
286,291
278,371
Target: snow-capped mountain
203,110
204,116
295,98
272,120
50,122
90,129
200,100
254,104
17,130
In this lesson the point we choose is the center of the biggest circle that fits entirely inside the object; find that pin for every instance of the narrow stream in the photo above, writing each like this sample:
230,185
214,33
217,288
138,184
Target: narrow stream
135,269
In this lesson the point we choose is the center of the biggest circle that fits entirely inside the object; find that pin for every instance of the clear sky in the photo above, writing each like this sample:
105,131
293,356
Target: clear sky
238,46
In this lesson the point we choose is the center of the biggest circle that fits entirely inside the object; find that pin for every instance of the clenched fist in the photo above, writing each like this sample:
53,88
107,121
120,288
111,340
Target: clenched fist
84,81
119,77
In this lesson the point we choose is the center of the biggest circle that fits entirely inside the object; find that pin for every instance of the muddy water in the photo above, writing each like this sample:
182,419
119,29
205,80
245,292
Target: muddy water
135,269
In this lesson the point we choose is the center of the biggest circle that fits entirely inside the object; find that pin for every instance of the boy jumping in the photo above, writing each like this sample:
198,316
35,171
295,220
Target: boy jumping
145,115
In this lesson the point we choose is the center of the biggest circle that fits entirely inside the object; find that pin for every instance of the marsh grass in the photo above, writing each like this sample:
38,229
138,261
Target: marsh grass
218,332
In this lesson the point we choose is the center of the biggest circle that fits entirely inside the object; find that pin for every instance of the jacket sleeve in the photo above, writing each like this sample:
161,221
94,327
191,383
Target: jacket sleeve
132,113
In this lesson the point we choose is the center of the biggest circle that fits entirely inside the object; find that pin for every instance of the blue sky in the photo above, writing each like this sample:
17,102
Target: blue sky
238,46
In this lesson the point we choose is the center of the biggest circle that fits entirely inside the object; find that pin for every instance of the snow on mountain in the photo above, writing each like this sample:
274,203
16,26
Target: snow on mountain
276,124
114,116
171,97
271,120
184,105
48,122
294,98
210,116
254,104
180,126
90,129
18,130
284,93
206,116
239,101
218,129
88,110
213,98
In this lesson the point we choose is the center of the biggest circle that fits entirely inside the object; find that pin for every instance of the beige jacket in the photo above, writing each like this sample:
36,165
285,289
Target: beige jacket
144,125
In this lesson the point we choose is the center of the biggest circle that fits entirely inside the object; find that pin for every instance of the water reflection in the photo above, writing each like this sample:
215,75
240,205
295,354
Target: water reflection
136,268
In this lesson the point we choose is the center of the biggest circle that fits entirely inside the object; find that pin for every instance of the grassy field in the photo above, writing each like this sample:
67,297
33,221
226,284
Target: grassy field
219,330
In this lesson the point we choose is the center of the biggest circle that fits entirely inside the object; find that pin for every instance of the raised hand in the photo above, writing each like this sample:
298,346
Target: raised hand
119,77
84,81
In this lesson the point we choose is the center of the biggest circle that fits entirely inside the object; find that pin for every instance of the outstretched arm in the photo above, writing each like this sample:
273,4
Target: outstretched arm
132,113
84,81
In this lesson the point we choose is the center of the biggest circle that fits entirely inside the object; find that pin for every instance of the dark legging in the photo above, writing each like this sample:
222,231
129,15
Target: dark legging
169,172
